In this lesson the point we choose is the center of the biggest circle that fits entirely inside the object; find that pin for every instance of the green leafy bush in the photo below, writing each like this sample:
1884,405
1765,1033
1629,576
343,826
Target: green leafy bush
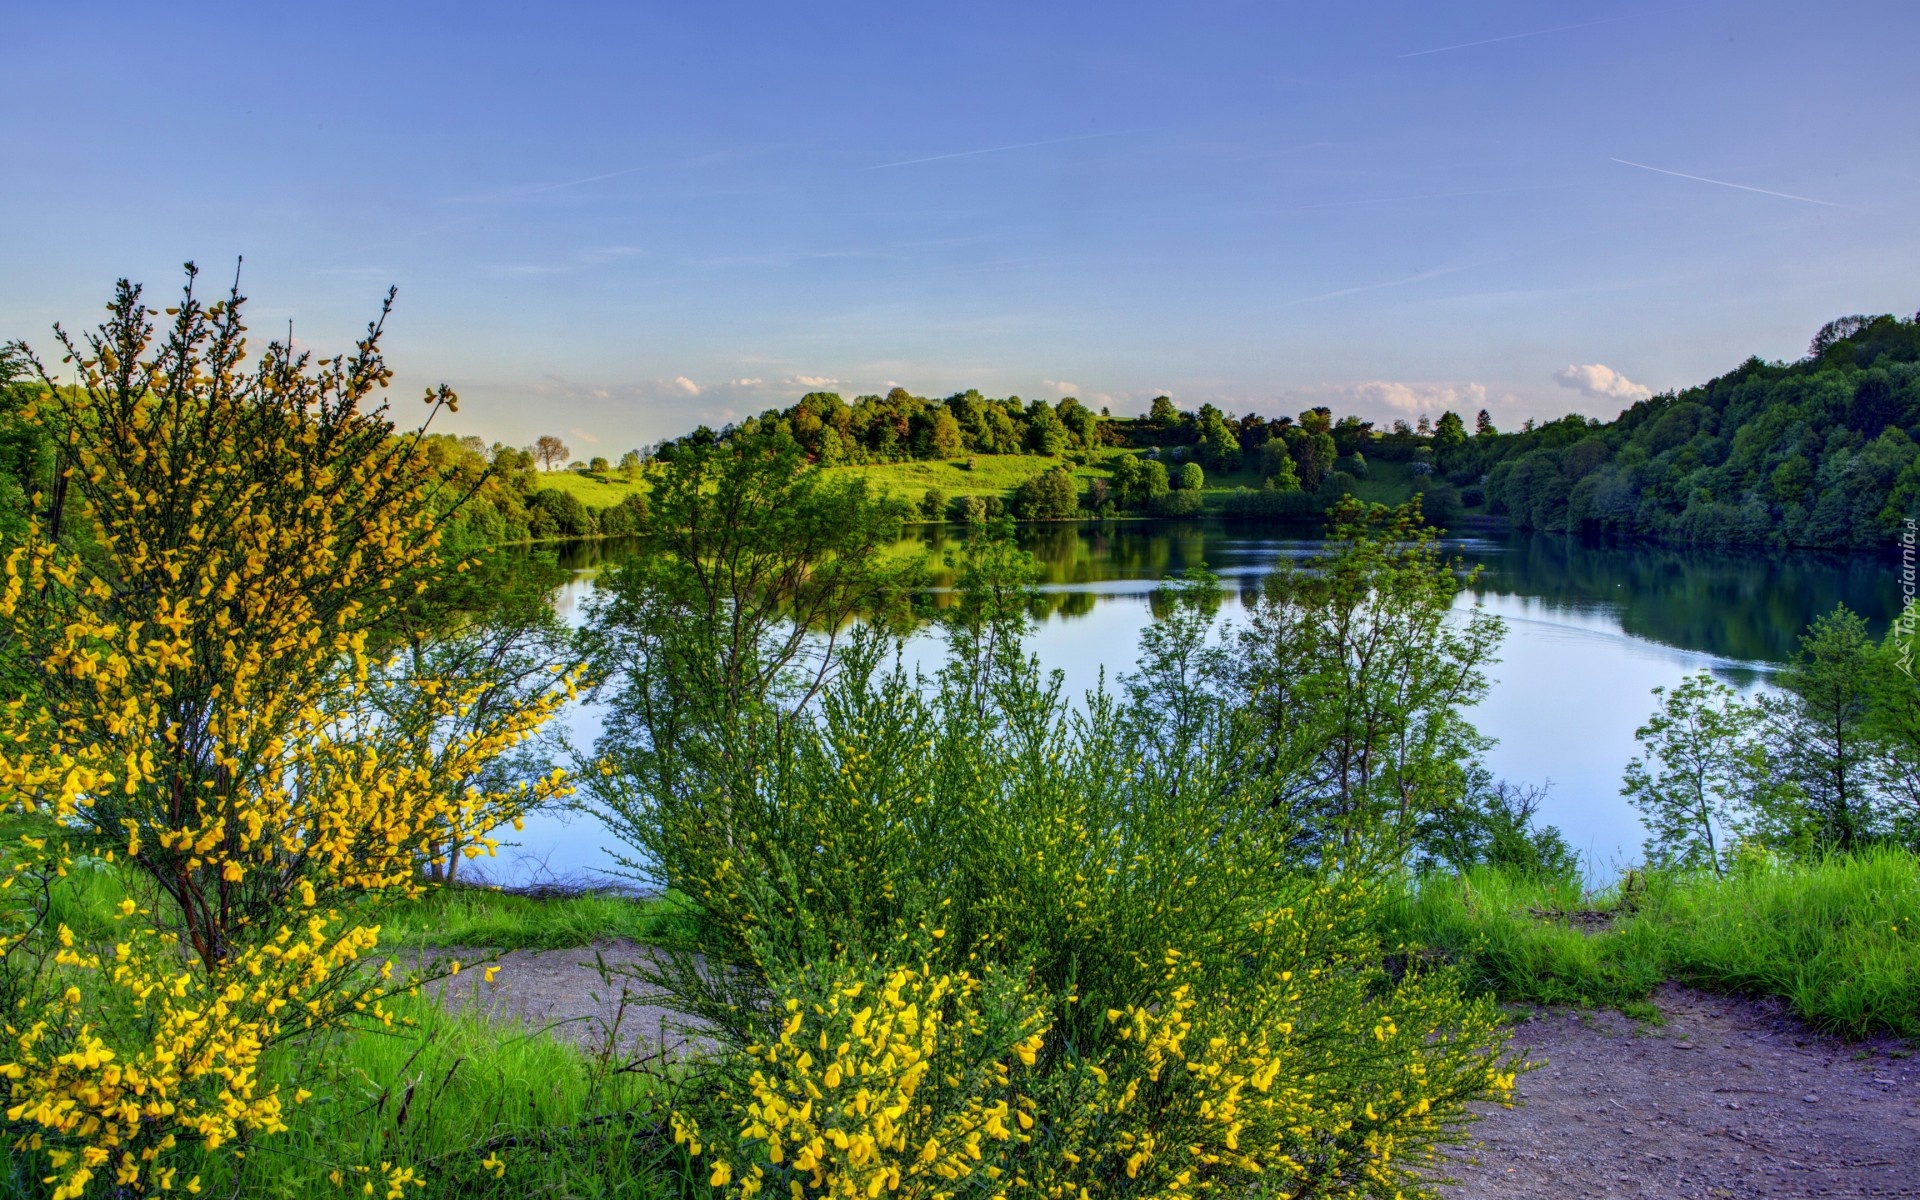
1146,977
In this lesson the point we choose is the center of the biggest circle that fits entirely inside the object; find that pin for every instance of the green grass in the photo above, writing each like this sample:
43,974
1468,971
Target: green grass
594,491
1838,939
475,916
989,474
441,1094
1484,922
994,475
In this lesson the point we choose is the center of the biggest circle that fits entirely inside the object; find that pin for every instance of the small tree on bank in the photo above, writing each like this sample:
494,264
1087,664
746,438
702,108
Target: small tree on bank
1705,777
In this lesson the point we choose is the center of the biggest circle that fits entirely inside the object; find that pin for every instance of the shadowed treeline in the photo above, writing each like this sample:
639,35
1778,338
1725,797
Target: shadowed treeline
1749,606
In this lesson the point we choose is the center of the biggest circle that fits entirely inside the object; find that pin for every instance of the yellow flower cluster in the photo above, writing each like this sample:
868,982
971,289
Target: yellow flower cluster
1232,1076
891,1087
89,1103
206,612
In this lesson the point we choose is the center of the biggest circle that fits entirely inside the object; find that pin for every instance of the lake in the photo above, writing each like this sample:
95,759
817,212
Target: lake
1591,630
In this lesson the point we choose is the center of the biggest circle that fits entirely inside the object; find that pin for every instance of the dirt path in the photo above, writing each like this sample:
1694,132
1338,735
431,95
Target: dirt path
1727,1099
564,992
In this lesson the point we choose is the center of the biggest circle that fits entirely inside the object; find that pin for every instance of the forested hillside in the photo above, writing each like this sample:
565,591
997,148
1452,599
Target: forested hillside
1819,453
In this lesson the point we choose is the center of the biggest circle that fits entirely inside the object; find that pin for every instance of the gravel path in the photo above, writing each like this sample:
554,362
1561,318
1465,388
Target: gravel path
566,993
1728,1098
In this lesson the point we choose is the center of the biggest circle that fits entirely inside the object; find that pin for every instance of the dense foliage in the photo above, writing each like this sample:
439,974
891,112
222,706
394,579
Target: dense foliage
202,624
956,935
1827,763
1819,452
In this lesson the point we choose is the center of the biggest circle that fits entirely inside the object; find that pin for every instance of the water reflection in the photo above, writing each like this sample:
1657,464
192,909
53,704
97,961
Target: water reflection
1592,628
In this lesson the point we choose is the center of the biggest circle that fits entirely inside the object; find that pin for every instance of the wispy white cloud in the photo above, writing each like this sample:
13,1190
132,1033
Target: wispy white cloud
522,191
1741,187
746,383
580,435
1533,187
811,381
1061,385
686,385
1600,381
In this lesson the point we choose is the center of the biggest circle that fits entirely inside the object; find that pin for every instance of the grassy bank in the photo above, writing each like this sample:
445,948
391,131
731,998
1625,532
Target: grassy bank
1838,939
1386,482
475,916
468,1109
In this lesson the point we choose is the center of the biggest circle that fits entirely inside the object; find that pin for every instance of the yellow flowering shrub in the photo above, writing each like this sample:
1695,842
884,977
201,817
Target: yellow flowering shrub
197,621
880,1080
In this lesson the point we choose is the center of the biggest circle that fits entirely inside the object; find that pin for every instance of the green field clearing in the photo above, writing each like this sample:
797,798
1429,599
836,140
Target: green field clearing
594,491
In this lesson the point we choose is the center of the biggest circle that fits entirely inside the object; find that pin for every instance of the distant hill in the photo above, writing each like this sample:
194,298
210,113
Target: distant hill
1823,452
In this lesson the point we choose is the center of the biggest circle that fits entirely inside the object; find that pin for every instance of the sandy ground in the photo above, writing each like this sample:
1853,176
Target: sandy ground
579,995
1727,1098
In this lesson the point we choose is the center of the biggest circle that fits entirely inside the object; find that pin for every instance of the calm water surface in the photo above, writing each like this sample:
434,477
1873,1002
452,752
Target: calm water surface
1591,630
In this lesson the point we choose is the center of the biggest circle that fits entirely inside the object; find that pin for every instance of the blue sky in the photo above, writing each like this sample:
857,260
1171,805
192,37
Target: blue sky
610,221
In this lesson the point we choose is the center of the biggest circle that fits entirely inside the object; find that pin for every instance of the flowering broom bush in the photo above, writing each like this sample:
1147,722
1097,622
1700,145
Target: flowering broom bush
194,625
1202,972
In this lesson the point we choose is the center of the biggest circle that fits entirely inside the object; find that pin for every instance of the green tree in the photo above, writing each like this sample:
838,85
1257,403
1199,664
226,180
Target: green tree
748,573
1893,722
1137,481
933,505
1820,733
1313,456
1705,776
1450,432
599,465
1277,465
1351,436
1045,433
560,514
946,440
1080,421
1357,678
1192,478
1049,496
1219,446
630,466
26,456
1483,425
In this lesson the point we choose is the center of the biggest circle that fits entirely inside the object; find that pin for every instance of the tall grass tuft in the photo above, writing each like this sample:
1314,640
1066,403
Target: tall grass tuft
1838,938
473,1109
477,916
1511,935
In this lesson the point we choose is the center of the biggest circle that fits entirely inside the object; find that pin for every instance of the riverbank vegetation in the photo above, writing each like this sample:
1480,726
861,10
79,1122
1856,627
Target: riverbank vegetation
942,933
1236,920
1821,452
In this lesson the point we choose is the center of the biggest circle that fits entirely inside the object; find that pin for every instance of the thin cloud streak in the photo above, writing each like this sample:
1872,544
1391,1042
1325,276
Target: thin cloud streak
1085,137
1723,183
1389,283
554,187
1511,37
1532,187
